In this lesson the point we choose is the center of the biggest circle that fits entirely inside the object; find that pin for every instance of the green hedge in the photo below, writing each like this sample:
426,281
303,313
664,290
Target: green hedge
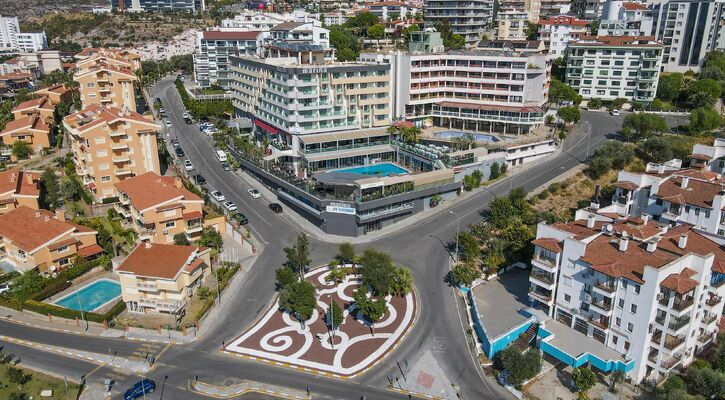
10,275
52,288
52,309
108,200
59,284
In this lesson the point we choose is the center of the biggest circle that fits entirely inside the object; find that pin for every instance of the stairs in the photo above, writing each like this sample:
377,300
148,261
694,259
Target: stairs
524,341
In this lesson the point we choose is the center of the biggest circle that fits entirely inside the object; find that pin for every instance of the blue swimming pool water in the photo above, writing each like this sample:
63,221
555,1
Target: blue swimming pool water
92,296
479,137
382,169
6,266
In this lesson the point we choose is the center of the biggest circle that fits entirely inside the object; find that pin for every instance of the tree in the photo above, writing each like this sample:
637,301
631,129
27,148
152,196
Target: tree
49,190
21,149
203,292
373,309
464,274
451,41
584,379
17,376
402,281
703,92
532,30
673,389
493,260
669,86
210,237
376,31
520,367
594,104
704,119
517,235
719,358
298,256
180,239
469,248
569,115
644,125
495,171
333,319
559,91
347,252
70,189
18,396
657,149
408,134
501,212
361,22
378,271
285,276
705,381
298,298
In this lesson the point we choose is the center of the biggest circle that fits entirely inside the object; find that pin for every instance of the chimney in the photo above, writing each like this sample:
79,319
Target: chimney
60,214
590,221
652,246
623,242
147,245
682,243
660,168
29,178
685,181
177,183
645,219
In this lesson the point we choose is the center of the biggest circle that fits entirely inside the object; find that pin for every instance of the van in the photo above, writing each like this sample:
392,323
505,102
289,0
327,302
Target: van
221,155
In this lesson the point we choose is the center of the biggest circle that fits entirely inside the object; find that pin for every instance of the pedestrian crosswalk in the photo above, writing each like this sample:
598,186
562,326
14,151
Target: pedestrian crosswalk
145,352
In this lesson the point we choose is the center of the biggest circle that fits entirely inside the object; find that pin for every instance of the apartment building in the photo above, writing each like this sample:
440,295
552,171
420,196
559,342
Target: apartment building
709,158
30,42
468,18
56,94
558,31
12,38
42,240
651,293
532,9
162,278
41,106
610,67
511,25
587,9
110,144
384,9
14,81
252,20
106,85
688,29
32,130
19,188
213,49
159,207
623,18
158,5
9,28
554,7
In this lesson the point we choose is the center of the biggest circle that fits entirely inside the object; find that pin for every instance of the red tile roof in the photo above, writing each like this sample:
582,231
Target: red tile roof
680,283
701,157
32,122
90,250
29,229
40,103
25,183
634,6
626,185
163,261
150,189
192,215
603,255
697,192
549,244
564,20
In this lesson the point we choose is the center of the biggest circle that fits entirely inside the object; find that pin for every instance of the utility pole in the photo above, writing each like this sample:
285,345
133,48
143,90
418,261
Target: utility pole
458,230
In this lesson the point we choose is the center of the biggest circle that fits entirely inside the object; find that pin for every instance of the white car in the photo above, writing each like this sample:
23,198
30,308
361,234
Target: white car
188,165
185,115
217,195
615,112
4,287
168,123
230,206
254,193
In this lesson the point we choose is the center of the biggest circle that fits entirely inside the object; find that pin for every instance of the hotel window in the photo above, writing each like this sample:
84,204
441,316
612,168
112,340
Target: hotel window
621,303
105,178
567,298
633,309
618,321
170,224
91,84
630,326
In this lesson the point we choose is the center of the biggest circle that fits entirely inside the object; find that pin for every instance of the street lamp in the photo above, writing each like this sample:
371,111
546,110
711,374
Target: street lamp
80,306
589,136
458,230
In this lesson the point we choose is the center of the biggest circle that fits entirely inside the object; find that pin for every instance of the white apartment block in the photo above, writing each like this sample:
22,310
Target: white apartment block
558,31
623,18
609,67
587,9
652,293
688,29
468,18
554,7
12,38
262,21
335,18
213,49
31,42
9,28
531,8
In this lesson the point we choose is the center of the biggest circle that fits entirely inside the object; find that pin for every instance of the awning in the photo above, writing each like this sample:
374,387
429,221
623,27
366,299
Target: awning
91,186
192,215
90,250
266,127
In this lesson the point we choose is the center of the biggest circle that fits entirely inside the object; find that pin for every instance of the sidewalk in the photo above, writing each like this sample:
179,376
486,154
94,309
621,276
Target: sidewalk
227,392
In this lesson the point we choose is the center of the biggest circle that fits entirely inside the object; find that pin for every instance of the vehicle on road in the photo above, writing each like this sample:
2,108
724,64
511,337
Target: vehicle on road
221,156
185,115
226,166
614,112
188,120
175,142
229,205
158,100
240,218
205,125
161,110
180,152
200,179
167,123
210,131
254,193
188,165
217,195
140,389
276,207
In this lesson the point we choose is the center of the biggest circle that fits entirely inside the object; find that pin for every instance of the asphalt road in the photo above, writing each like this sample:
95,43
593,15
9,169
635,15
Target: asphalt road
422,247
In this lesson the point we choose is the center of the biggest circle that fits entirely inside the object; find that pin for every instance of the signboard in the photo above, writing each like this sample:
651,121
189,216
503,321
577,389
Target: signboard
340,208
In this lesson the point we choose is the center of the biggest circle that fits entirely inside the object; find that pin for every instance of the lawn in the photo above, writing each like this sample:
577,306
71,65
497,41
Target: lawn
38,382
212,91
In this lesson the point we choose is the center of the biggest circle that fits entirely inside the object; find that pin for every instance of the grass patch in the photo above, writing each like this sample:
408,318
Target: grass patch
38,383
211,91
563,198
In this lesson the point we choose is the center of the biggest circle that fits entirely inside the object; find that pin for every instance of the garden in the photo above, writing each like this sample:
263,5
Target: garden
18,383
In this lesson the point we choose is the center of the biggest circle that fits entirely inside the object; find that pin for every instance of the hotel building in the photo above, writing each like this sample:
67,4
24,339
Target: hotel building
108,78
213,50
469,18
610,67
111,144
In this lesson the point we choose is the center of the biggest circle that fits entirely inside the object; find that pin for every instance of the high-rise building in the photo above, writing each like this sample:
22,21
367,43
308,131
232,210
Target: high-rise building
688,29
158,5
610,67
532,8
625,19
9,28
558,31
587,9
12,38
468,18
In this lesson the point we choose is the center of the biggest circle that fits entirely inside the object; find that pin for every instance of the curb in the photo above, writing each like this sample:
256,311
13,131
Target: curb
411,393
250,389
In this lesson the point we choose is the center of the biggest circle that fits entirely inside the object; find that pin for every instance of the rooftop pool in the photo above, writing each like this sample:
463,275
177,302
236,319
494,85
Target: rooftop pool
479,137
380,169
92,296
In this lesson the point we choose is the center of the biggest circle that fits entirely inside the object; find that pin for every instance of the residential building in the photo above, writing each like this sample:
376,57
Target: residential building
108,78
532,9
385,9
213,49
110,144
688,29
162,278
252,20
428,41
551,8
158,5
335,18
43,62
12,38
12,82
587,9
42,240
309,33
511,25
610,67
32,130
623,18
159,207
709,158
469,18
40,106
9,28
31,42
19,188
650,293
56,94
558,31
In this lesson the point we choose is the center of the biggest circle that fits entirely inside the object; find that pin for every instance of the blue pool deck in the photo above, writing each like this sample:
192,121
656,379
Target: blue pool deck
381,169
478,137
91,296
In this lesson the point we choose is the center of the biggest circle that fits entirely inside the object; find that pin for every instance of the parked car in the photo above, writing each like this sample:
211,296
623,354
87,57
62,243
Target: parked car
200,179
158,100
4,287
217,195
175,142
241,218
161,110
205,125
229,205
614,112
254,193
226,166
188,165
188,120
180,152
168,123
185,115
140,389
276,207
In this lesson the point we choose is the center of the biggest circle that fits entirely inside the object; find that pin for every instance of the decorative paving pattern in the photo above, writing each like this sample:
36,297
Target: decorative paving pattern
279,337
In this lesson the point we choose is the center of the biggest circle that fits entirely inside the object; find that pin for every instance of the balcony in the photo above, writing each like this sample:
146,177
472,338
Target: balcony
671,214
122,210
673,342
660,319
119,146
652,356
542,279
147,286
123,171
122,159
193,228
540,296
606,288
601,323
678,304
669,363
678,323
145,233
657,337
547,264
602,307
712,301
709,318
705,337
124,199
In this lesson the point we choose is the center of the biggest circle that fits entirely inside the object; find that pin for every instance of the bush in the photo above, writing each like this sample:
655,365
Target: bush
109,200
594,104
520,367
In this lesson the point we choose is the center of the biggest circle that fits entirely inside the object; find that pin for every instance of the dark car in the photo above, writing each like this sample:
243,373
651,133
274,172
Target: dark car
140,389
200,179
226,166
276,207
241,218
158,100
180,152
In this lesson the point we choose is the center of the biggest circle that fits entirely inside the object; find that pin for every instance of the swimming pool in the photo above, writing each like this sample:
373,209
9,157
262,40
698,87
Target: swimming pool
381,169
6,266
479,137
92,296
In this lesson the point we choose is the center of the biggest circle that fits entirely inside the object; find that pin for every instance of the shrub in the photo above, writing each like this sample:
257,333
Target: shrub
520,367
